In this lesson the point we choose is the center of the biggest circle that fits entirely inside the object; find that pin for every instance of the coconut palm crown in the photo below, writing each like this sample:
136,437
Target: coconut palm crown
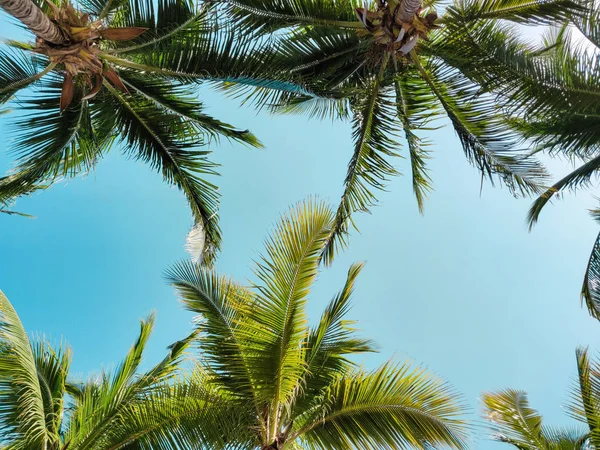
292,385
393,66
514,421
104,73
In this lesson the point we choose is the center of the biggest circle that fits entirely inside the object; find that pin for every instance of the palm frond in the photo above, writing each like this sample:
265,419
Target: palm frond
590,291
278,319
267,16
178,100
219,303
487,142
374,129
162,139
52,145
394,406
19,70
416,106
52,370
183,415
328,345
585,403
578,178
22,413
513,420
529,12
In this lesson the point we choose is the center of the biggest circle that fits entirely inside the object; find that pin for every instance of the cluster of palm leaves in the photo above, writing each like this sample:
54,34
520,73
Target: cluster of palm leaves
263,378
514,421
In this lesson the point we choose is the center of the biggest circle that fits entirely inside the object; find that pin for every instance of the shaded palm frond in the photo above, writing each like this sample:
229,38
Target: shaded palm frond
417,107
487,142
578,178
267,16
167,143
52,145
178,100
19,70
374,128
590,291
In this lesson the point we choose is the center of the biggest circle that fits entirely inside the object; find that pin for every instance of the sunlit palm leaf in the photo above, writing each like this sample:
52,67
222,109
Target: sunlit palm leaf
585,403
393,406
22,413
286,272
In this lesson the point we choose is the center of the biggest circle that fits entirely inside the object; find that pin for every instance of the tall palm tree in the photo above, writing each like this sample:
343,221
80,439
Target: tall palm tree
42,409
295,386
514,422
99,74
392,66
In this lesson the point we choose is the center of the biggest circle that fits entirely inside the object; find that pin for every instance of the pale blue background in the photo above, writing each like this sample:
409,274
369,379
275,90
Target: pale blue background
465,290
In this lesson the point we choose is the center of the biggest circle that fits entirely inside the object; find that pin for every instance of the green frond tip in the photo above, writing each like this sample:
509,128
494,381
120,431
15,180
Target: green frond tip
590,291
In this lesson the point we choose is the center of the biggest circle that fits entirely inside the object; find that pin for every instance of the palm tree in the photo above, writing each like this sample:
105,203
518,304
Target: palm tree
513,421
393,65
118,72
294,386
41,409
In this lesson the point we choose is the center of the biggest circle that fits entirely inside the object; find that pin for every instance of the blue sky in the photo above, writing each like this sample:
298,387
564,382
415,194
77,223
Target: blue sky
465,289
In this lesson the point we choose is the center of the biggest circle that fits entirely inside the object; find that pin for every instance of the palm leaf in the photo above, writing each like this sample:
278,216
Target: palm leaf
266,16
513,421
52,369
162,139
19,70
22,413
328,345
585,404
487,142
52,145
590,291
219,302
277,320
368,168
416,107
544,12
392,407
580,177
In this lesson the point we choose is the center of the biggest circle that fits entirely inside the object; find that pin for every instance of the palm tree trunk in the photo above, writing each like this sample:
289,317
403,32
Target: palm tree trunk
408,9
35,19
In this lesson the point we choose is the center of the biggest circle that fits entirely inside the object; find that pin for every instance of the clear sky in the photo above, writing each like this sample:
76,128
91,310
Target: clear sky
464,289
